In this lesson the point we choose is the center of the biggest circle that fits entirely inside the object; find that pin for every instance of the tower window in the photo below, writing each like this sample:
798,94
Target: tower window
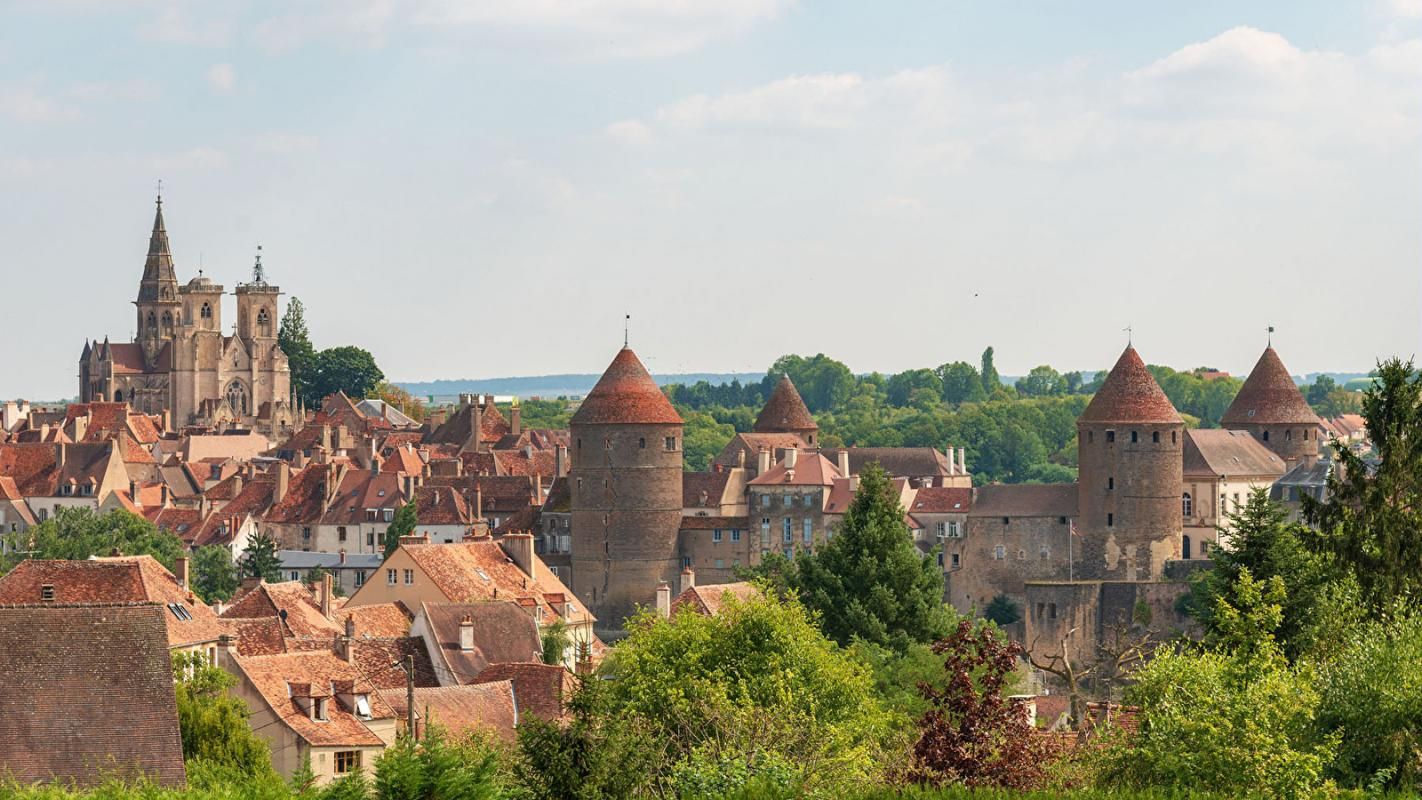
206,312
1090,436
1186,505
1155,436
1110,436
1172,437
264,322
1110,483
1135,437
1110,520
1288,435
670,443
1266,436
642,443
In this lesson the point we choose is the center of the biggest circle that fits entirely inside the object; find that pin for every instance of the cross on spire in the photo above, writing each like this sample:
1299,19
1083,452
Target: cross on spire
1129,334
160,191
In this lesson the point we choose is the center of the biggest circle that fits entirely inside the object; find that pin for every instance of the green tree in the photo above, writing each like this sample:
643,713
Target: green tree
260,559
703,438
823,383
1371,523
902,386
404,402
556,641
438,769
214,575
1002,611
1320,388
406,518
757,676
79,533
345,369
1042,381
991,380
598,753
213,723
961,383
295,341
869,581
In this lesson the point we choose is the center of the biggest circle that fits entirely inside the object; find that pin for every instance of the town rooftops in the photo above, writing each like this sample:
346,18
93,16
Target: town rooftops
1269,396
626,395
541,689
501,632
302,617
480,571
900,462
288,682
942,500
1223,453
1130,394
88,692
810,469
461,710
785,411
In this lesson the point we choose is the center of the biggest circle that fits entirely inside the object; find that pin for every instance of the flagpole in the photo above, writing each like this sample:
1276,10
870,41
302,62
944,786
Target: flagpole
1071,566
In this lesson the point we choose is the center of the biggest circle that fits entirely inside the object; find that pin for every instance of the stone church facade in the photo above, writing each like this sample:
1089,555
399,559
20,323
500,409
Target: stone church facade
182,362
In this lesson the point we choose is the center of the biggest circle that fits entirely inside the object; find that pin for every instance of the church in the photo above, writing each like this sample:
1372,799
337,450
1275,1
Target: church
183,363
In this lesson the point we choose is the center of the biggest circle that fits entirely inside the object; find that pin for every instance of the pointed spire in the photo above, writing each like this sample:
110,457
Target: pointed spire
1130,394
158,268
785,411
1269,396
626,394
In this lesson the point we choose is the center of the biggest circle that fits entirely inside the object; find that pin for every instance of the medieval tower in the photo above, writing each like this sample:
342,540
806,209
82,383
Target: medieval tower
1271,409
626,483
1129,442
786,412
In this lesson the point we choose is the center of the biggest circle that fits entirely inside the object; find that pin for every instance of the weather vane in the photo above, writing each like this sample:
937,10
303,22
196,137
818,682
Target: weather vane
1271,335
1129,335
160,190
626,327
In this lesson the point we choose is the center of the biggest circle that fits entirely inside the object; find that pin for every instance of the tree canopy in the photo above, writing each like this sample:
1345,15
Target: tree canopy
260,559
295,341
79,533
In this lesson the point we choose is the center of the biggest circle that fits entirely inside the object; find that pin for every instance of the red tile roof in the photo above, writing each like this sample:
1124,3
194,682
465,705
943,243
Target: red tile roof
480,571
383,621
785,411
88,691
1269,397
303,617
942,500
703,489
282,679
811,469
462,710
626,395
503,632
709,599
541,689
1130,394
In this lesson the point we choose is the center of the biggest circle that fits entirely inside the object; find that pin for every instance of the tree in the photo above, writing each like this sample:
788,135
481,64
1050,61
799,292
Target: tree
972,733
1002,611
1319,390
1371,523
823,383
1126,646
406,518
902,386
79,533
438,769
991,380
1042,381
703,438
869,581
213,723
598,753
260,559
556,641
295,341
758,676
345,369
961,383
214,575
400,399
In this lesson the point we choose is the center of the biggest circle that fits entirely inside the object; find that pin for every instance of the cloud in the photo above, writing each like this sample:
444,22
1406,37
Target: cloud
1403,9
199,158
283,143
27,104
629,132
175,25
222,78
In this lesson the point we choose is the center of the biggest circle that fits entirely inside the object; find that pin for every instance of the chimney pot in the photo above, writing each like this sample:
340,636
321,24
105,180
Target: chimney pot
688,579
663,600
466,633
180,571
843,459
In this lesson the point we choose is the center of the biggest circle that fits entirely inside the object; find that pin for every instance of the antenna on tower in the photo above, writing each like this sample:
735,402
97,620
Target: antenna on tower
626,328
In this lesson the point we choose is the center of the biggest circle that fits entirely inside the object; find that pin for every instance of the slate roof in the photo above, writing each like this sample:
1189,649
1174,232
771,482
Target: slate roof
626,395
1229,453
1130,394
1026,500
785,411
77,675
1269,396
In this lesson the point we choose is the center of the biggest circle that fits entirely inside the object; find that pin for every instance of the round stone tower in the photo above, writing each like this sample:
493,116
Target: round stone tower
1271,408
786,412
625,479
1129,441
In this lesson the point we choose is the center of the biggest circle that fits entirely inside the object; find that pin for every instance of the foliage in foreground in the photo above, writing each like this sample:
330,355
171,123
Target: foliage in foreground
78,533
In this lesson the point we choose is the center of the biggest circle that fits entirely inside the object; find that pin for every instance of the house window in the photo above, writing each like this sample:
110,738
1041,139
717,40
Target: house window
306,534
1288,435
789,552
391,577
1221,509
942,529
807,530
786,532
296,576
409,577
940,558
388,514
735,534
206,312
360,577
370,515
786,500
953,531
1186,505
1021,554
956,560
765,529
716,536
347,761
670,443
370,539
341,533
999,552
1052,610
1266,436
318,708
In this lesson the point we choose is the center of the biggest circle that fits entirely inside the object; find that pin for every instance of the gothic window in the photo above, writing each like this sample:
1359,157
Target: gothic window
152,323
237,397
264,323
167,323
206,312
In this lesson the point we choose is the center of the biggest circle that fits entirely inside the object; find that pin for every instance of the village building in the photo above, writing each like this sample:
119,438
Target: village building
464,639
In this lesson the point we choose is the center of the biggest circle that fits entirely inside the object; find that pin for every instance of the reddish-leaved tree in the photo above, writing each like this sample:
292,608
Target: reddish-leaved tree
972,734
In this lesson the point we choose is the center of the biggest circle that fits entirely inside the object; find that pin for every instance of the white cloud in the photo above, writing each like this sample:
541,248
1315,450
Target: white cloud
1404,9
629,132
27,104
174,24
284,143
222,78
199,158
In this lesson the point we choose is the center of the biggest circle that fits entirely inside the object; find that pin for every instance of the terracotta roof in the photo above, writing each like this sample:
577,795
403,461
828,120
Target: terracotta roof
1269,396
626,395
382,621
1130,394
751,444
1229,453
404,459
442,505
88,691
378,659
499,493
709,599
1026,500
942,500
703,489
503,632
283,678
480,570
128,579
899,462
811,469
303,617
260,636
517,462
785,411
540,689
462,710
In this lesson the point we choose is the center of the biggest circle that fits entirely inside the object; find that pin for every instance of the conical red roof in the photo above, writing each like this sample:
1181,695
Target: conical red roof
785,411
1269,397
1130,394
626,395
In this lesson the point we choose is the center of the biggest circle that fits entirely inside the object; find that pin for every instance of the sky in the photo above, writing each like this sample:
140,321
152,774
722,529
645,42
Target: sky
476,189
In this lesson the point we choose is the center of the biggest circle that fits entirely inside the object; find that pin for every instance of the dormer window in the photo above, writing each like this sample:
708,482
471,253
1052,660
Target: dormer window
362,706
47,593
318,709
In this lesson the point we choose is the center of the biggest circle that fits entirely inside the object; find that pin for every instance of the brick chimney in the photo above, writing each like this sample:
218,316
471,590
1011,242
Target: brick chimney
519,547
180,571
560,460
663,600
466,633
843,463
283,481
515,419
688,579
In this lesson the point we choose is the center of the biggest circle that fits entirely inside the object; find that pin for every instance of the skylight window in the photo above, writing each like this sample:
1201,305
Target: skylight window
481,573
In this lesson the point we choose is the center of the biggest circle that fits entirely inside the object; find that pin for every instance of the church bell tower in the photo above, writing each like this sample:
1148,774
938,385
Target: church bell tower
159,309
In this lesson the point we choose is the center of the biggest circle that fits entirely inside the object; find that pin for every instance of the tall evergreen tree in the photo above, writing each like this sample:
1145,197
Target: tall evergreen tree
870,582
295,341
214,574
403,525
260,559
991,380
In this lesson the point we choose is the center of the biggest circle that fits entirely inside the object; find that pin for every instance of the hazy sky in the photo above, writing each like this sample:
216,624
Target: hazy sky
472,189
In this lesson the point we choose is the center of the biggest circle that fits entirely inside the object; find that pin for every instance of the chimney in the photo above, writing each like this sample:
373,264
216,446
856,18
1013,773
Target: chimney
560,461
236,484
348,641
952,467
163,495
325,437
843,459
519,547
537,487
466,633
792,456
326,581
741,458
688,579
342,438
663,600
762,461
180,571
962,461
60,455
478,501
133,491
283,480
515,419
224,650
202,506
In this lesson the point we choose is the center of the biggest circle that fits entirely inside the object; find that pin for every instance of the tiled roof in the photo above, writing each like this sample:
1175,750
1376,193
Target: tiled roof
899,462
560,497
221,525
478,571
942,500
811,469
541,689
378,659
785,411
517,462
694,523
503,632
276,676
462,710
703,489
442,505
626,395
303,617
127,579
751,444
710,598
1229,453
1269,396
1130,394
260,636
88,691
1026,500
305,496
405,459
499,493
383,621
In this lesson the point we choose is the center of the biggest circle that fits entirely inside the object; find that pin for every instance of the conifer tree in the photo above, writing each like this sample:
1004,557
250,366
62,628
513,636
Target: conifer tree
403,525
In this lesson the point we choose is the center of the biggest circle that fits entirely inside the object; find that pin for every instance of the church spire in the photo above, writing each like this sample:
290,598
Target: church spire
158,268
